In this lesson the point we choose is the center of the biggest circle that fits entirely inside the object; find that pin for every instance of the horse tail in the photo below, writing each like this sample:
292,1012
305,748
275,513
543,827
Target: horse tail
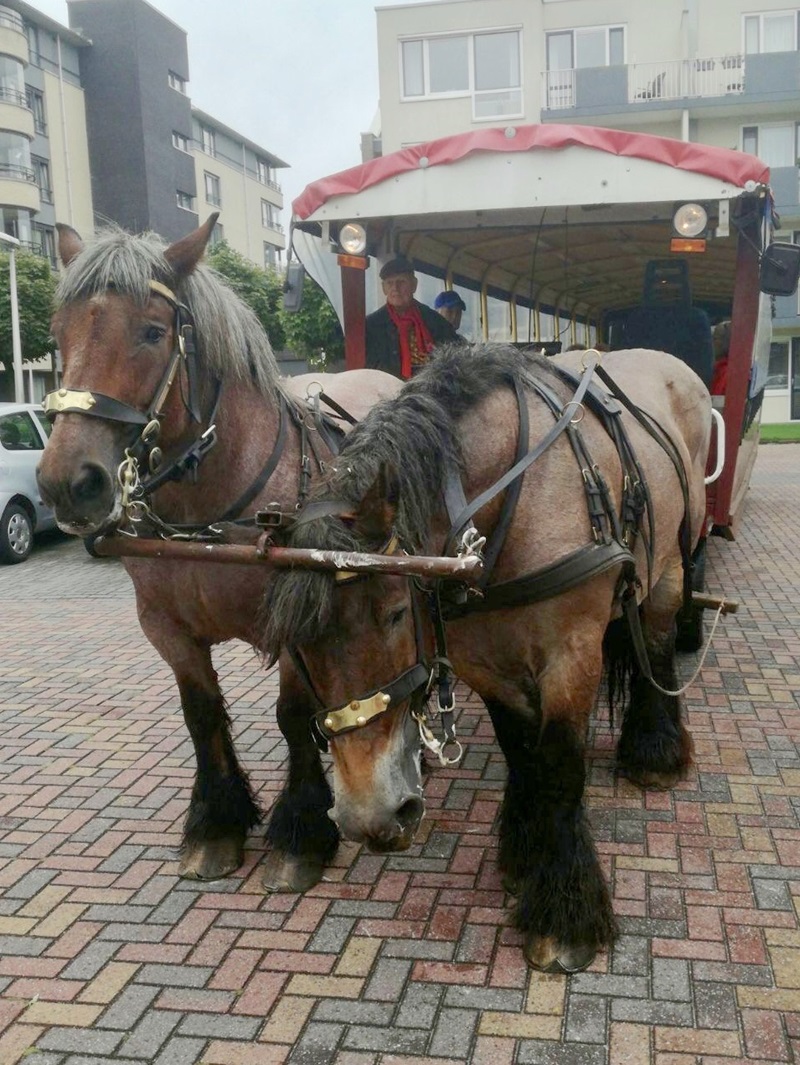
621,666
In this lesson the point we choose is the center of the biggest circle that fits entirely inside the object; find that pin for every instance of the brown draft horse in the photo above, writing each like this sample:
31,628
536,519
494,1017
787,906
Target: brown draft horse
121,302
537,666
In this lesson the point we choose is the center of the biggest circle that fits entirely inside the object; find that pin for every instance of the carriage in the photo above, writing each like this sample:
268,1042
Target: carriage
173,429
562,235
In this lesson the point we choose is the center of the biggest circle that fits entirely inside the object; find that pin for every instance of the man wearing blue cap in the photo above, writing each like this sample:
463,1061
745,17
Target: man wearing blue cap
401,335
451,306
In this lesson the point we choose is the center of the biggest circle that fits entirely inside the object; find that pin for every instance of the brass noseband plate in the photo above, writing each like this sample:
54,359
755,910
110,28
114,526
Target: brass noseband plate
67,399
357,713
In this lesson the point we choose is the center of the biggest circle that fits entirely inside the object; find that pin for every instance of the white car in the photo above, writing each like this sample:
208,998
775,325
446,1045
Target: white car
23,434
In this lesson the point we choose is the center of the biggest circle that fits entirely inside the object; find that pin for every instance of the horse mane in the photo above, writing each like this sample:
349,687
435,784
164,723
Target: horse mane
415,435
229,338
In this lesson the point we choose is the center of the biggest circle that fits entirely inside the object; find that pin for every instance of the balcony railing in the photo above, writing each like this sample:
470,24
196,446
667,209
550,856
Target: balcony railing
17,173
674,80
13,96
12,20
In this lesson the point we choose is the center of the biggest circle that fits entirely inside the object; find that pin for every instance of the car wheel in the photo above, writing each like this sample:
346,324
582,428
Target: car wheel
16,534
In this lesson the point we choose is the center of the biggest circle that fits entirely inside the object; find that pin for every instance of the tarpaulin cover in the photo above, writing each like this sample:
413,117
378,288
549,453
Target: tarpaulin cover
734,167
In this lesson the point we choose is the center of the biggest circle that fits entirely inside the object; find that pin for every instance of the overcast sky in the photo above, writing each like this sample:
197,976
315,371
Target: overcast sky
298,77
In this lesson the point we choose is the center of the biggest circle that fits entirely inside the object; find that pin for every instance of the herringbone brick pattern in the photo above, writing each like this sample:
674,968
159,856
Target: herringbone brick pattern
105,956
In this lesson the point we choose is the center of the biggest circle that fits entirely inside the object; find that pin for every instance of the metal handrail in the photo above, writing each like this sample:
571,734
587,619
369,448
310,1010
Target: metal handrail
14,96
17,173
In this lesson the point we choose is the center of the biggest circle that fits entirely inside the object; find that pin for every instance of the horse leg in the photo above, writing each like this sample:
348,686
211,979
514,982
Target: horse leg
654,748
563,906
301,836
222,808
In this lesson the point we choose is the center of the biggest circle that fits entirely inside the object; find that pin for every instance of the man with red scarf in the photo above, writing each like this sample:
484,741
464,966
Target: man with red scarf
401,335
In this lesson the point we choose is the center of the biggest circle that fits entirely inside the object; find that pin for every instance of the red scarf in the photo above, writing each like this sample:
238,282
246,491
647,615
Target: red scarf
416,342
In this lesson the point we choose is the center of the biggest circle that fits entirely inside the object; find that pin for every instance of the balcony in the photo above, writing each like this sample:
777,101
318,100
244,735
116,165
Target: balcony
611,88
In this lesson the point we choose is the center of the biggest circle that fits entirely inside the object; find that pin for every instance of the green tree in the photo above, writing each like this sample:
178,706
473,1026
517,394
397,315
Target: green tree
314,332
35,288
261,289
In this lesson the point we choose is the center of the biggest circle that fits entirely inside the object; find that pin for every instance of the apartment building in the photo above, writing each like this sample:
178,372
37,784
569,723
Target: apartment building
97,125
720,72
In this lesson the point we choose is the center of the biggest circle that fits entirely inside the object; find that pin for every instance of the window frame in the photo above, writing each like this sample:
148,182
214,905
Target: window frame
470,91
181,142
573,30
187,206
214,196
759,126
177,82
208,140
760,16
34,98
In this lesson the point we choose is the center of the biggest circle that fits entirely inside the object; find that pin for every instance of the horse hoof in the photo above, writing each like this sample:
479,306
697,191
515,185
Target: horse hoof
549,956
652,780
211,859
290,873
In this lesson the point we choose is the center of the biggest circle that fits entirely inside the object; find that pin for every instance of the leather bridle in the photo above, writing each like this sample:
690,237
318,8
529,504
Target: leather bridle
146,422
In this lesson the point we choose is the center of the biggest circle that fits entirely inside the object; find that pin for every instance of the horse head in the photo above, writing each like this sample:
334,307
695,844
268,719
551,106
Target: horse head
358,642
126,349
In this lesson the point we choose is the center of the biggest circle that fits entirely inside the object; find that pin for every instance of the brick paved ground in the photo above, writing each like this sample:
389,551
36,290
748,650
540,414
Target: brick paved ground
105,956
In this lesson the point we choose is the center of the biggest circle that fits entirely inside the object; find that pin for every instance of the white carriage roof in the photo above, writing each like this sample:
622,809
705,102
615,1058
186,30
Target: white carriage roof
508,168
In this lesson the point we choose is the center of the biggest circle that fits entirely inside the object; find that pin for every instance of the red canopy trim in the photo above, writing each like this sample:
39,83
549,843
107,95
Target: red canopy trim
734,167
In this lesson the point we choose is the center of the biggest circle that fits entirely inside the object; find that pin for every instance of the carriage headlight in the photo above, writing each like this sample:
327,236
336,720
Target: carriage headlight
353,238
690,220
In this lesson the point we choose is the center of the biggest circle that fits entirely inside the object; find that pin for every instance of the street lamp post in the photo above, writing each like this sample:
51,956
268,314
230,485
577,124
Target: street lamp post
16,343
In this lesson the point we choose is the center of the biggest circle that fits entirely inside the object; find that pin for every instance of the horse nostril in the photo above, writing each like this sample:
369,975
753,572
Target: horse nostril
90,484
410,814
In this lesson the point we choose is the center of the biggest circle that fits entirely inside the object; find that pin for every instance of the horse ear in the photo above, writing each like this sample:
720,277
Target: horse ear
69,243
374,519
184,255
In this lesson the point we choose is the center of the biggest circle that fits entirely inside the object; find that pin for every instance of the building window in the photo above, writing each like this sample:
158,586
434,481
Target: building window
213,193
272,256
35,101
185,201
41,168
268,214
485,65
592,46
208,140
771,31
265,173
217,235
180,141
12,82
43,239
32,33
775,143
15,162
778,369
176,82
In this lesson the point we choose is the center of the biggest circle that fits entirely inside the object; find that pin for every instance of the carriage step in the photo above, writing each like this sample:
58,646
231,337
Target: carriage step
714,602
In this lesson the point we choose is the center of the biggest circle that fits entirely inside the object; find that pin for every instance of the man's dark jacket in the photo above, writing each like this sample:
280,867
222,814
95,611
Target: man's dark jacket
383,341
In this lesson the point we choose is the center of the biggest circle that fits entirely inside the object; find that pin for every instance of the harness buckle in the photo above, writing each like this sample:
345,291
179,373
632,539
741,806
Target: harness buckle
271,517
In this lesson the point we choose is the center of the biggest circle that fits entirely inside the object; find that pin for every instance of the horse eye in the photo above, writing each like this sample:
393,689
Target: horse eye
397,616
153,334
